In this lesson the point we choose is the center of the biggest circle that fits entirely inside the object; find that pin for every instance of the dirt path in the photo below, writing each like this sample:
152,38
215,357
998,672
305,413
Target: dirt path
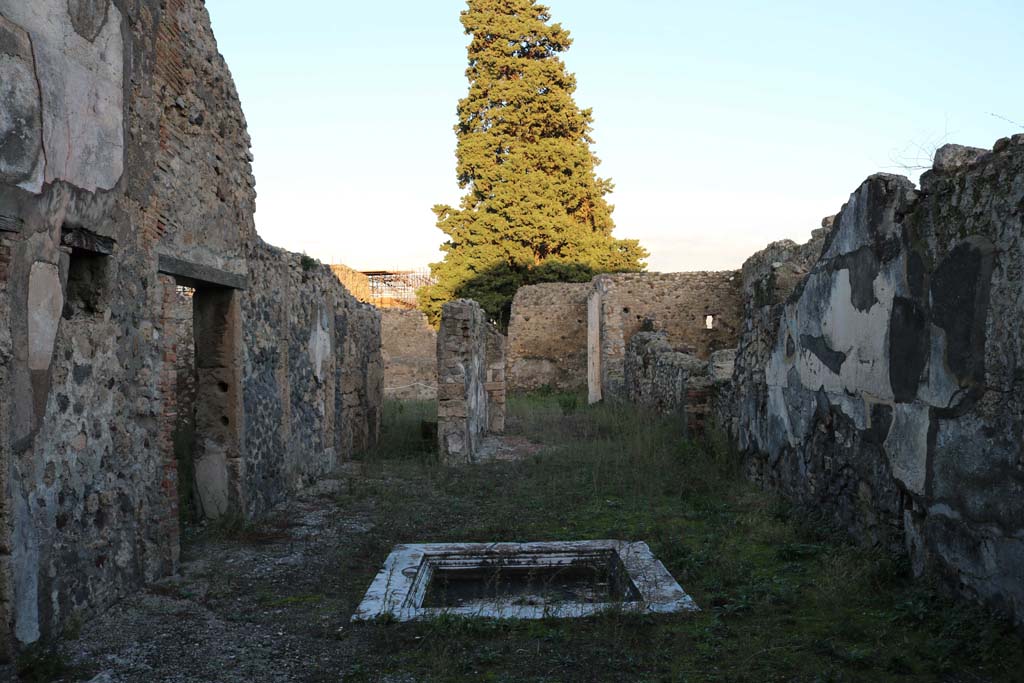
266,604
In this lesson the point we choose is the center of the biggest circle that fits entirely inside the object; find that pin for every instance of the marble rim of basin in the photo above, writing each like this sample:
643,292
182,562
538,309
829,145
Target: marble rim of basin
400,588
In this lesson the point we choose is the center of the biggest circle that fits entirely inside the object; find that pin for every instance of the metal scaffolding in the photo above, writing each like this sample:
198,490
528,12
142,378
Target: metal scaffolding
396,289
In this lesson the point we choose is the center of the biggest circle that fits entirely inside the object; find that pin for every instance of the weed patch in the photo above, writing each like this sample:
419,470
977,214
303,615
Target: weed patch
785,597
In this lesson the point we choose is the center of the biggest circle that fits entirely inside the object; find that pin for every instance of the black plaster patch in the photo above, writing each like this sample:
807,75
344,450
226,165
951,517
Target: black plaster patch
864,266
88,17
11,43
21,136
832,359
909,342
881,423
81,373
960,297
915,274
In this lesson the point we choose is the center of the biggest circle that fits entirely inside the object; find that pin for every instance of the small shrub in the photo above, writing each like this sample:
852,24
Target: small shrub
568,403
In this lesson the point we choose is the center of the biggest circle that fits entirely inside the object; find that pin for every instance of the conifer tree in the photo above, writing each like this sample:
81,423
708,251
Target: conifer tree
534,210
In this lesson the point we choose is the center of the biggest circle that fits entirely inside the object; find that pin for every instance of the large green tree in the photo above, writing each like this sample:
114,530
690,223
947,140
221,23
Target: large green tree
534,210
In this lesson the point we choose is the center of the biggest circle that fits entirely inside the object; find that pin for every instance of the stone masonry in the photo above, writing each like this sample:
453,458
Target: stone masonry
568,336
879,372
410,355
673,382
496,359
700,313
547,337
470,381
125,173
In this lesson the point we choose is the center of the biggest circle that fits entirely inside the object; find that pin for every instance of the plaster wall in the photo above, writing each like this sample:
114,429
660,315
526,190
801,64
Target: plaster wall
884,384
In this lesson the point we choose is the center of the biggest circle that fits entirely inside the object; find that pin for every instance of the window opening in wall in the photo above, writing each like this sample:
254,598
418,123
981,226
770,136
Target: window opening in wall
87,284
709,322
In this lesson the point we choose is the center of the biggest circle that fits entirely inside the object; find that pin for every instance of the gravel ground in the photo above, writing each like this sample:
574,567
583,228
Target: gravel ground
264,604
269,603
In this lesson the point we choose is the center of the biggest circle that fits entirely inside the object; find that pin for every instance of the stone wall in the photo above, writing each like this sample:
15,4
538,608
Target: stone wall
357,283
672,382
6,360
678,304
887,387
125,172
496,359
310,399
410,355
547,337
464,388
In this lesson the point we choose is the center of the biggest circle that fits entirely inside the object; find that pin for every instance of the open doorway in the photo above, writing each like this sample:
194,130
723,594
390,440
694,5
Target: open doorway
206,324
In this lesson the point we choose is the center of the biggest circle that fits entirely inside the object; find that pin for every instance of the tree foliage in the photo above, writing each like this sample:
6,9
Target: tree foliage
534,209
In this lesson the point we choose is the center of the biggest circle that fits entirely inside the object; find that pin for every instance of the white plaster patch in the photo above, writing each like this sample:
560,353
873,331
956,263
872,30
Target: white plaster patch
847,237
942,387
82,85
319,346
907,445
212,480
594,391
862,336
45,303
777,407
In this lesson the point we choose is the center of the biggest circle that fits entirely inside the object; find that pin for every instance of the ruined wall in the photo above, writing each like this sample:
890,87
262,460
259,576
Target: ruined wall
360,396
547,337
94,92
464,390
6,358
893,394
310,399
409,347
357,284
769,278
672,382
656,375
125,171
496,359
677,304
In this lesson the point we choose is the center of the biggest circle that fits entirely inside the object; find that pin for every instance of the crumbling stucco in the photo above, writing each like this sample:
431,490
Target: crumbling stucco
129,174
884,384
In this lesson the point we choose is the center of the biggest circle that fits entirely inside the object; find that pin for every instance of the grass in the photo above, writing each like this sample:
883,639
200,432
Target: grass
784,597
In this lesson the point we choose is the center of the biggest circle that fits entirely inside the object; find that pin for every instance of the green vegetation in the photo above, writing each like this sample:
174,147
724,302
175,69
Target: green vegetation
42,662
534,210
784,597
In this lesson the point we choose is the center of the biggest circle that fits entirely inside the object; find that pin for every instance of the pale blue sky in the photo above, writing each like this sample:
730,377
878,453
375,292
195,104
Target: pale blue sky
725,125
